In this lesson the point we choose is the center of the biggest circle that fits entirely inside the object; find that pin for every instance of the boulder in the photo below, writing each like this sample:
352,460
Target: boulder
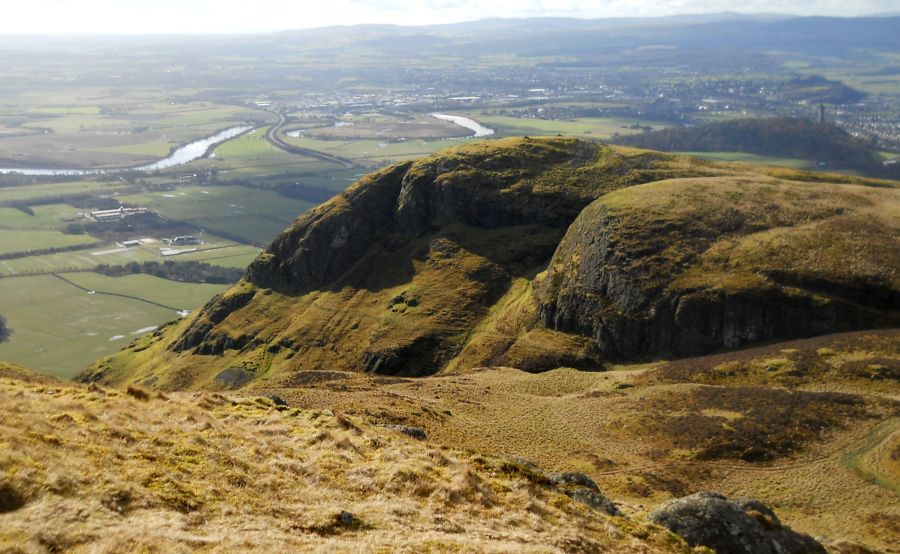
735,526
581,488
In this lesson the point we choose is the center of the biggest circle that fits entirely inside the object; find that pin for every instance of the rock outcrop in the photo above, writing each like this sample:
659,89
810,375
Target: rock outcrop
692,265
735,526
539,254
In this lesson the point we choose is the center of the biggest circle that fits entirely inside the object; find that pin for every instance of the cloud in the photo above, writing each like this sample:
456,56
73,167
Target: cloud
208,16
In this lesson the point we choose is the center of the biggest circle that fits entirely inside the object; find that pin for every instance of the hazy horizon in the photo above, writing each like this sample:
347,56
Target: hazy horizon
234,17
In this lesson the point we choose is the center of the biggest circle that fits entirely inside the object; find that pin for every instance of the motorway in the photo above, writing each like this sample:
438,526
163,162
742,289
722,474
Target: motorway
274,138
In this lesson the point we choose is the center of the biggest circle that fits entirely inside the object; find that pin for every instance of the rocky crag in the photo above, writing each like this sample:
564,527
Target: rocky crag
537,254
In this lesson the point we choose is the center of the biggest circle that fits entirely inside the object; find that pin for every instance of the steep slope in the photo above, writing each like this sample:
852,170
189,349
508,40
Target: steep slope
686,266
443,264
96,470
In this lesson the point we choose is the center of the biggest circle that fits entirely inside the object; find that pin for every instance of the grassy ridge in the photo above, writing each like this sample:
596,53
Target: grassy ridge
192,470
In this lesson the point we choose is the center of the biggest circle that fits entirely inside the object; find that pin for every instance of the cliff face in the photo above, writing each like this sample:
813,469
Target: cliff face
691,265
538,254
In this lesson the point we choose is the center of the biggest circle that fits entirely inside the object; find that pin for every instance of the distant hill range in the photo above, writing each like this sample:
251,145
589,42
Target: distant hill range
720,39
784,137
623,40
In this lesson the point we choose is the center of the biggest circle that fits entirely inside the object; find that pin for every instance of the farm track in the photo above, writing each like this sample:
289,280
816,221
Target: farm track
869,460
875,438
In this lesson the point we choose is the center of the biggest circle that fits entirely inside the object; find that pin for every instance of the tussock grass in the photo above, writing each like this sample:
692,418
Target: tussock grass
99,470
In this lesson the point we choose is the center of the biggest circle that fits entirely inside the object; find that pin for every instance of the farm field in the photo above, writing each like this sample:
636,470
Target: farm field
270,169
374,152
31,193
588,127
254,215
59,328
335,181
381,127
215,247
183,296
251,156
46,217
90,127
251,146
238,256
23,241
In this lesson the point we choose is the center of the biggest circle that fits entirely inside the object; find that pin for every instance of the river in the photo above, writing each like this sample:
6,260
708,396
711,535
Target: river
471,124
182,155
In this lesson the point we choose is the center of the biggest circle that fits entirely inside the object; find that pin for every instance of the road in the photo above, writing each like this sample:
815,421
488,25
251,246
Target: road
274,139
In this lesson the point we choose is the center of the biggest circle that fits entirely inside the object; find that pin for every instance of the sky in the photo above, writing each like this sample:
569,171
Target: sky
253,16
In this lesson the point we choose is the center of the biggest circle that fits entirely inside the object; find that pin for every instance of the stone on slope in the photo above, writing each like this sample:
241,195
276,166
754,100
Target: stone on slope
733,526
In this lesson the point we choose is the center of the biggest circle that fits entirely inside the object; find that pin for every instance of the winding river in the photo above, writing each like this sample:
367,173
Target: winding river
471,124
182,155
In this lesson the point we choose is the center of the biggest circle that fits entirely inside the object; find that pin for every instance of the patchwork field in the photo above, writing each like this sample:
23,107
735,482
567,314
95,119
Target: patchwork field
374,152
382,127
91,127
253,215
50,216
59,328
587,127
214,248
26,193
29,241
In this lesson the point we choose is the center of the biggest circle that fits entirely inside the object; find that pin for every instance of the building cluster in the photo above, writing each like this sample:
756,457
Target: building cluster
117,214
183,240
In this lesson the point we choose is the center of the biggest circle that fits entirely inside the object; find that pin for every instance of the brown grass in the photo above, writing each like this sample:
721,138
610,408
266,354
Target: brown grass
657,439
101,471
864,361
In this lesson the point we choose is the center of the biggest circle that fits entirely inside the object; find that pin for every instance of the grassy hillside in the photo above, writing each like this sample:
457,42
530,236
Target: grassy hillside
807,426
556,256
537,254
684,266
97,470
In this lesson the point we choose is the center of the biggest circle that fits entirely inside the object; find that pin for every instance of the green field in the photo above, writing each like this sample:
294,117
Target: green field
22,241
183,296
51,216
58,328
237,256
373,151
215,248
592,127
27,193
91,127
335,181
250,146
255,215
251,156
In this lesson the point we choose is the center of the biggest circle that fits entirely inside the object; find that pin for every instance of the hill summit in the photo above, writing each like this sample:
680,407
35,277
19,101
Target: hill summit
538,254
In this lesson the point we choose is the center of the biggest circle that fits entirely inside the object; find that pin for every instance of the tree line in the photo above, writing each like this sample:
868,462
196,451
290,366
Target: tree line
187,271
781,137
